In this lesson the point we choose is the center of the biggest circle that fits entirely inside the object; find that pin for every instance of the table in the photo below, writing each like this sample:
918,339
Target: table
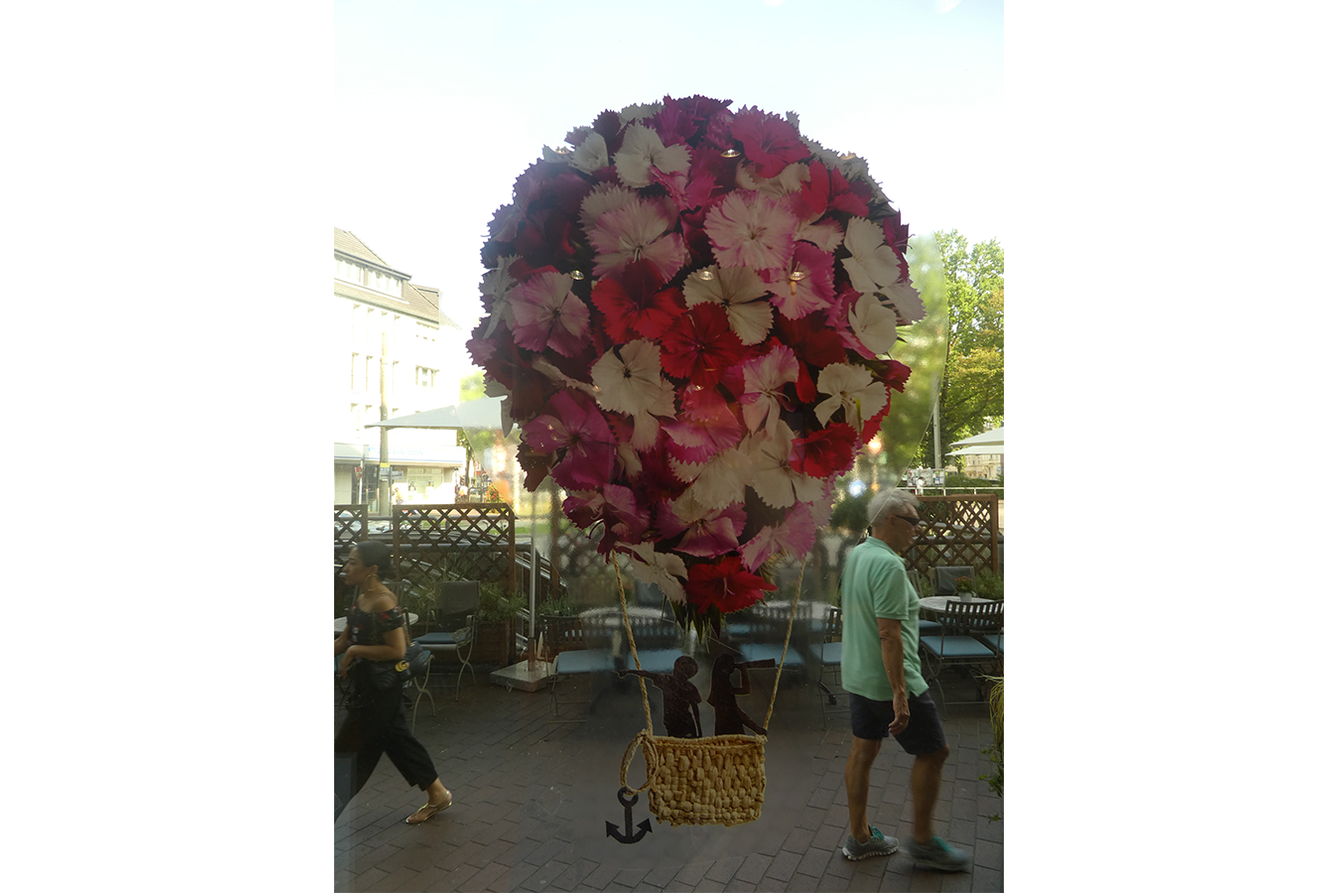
341,622
935,605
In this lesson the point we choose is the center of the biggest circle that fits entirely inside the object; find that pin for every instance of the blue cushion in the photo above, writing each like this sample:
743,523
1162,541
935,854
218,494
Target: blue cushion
995,641
956,646
750,651
428,639
928,627
570,662
653,661
829,653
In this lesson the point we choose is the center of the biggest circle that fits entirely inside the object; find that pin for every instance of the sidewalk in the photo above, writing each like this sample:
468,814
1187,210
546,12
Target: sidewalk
531,802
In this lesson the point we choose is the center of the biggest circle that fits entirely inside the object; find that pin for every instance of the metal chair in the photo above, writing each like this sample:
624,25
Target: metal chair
960,641
420,659
827,656
457,626
578,646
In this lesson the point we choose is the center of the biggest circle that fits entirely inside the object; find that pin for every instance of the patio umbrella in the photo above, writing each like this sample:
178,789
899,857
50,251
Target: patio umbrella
986,443
486,413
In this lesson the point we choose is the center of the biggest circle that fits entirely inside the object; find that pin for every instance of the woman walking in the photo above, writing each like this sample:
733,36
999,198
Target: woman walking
373,641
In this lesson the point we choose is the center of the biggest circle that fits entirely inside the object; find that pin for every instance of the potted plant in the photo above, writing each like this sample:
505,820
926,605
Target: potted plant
964,587
496,638
989,585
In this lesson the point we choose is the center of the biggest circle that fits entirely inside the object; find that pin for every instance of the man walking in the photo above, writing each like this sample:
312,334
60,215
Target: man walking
881,671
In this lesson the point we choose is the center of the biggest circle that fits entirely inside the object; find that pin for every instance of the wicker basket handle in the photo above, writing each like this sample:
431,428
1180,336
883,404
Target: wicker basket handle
643,738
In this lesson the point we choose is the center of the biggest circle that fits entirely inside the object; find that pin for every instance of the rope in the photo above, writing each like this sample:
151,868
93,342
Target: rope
628,627
795,601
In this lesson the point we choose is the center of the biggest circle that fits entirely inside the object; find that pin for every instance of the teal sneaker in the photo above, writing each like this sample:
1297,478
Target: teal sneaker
877,845
939,855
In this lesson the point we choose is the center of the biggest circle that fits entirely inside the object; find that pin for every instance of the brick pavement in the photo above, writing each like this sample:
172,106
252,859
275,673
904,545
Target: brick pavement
532,799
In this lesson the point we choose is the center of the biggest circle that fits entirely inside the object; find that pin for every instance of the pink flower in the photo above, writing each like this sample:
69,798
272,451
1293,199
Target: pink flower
795,537
707,533
639,230
809,285
752,230
705,427
573,425
764,380
546,313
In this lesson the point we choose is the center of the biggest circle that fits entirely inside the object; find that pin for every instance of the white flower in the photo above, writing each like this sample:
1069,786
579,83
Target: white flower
785,183
601,200
875,323
499,284
628,380
906,301
591,155
642,149
775,481
665,569
872,264
827,235
637,112
720,481
853,390
738,290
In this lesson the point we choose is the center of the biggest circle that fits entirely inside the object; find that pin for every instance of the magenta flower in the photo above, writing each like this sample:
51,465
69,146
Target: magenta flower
546,313
572,424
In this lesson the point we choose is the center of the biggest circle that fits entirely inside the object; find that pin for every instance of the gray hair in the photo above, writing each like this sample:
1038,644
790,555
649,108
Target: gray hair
889,502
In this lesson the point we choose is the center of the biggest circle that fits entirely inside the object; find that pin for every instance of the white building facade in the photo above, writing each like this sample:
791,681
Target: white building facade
388,326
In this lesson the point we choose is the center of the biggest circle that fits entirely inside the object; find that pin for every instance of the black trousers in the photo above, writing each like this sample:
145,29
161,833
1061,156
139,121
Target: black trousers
375,724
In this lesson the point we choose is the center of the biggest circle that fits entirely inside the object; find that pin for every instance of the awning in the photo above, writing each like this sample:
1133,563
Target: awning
994,436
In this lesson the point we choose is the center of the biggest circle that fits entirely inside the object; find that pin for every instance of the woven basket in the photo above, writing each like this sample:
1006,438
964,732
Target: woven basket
701,781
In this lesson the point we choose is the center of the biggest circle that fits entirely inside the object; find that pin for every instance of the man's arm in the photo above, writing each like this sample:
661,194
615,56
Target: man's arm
891,650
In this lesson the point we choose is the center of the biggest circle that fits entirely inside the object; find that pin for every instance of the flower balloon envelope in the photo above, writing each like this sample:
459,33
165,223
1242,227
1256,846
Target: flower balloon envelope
693,312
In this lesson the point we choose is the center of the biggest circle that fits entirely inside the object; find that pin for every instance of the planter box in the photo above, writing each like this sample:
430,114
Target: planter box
496,643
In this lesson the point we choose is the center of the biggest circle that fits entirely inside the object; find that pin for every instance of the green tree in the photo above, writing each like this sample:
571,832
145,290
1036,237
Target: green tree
973,390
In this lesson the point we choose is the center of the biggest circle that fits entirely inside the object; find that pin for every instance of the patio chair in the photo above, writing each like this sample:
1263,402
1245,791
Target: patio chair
827,656
960,643
578,646
758,633
420,659
457,620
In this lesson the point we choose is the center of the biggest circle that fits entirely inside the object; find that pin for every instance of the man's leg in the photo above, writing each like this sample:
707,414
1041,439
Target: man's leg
926,769
859,761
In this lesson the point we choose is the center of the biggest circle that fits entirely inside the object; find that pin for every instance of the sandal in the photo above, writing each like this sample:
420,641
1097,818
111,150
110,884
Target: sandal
428,810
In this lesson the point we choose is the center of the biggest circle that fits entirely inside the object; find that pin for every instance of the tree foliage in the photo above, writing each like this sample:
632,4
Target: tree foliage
973,390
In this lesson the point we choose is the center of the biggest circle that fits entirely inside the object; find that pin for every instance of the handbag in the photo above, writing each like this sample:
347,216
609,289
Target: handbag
387,675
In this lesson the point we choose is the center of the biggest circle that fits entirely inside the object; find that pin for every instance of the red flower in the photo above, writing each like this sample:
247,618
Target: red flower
768,141
634,304
830,450
700,346
816,346
724,584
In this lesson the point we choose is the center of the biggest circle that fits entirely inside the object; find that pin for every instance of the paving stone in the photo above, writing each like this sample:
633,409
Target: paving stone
753,868
987,880
724,869
783,866
814,862
798,841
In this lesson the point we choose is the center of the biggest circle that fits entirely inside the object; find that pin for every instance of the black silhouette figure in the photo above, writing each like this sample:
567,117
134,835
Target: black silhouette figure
680,698
730,719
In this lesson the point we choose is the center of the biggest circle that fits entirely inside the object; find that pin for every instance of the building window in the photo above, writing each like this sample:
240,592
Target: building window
353,373
425,377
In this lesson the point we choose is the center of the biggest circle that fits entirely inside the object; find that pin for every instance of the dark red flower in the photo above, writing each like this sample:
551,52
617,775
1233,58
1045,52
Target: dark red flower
700,346
634,303
816,346
725,584
830,450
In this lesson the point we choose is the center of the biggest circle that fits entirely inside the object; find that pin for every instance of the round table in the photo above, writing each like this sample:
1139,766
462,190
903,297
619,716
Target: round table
935,604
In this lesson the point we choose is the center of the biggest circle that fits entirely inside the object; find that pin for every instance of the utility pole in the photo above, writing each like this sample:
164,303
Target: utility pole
384,461
935,423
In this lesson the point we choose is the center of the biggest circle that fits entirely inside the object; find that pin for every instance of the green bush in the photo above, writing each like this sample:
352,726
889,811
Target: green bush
495,604
557,607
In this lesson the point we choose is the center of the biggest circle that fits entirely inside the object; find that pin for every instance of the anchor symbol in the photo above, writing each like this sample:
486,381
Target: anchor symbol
644,826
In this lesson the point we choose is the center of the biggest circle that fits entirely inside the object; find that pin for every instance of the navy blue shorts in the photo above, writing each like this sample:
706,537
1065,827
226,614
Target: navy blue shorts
924,732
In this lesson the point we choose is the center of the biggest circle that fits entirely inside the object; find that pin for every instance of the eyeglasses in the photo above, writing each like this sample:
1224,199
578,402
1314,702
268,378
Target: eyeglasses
915,522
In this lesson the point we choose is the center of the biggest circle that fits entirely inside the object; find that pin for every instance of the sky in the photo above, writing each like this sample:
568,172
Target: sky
439,106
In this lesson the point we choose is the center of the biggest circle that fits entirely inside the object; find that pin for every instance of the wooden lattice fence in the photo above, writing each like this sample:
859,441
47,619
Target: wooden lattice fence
455,541
959,530
351,523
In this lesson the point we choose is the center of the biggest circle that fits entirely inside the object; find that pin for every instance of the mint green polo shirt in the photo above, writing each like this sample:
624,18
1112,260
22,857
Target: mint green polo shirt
875,584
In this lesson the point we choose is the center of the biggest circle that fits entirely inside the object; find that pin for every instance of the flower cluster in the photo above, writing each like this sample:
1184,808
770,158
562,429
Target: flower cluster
963,584
691,311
